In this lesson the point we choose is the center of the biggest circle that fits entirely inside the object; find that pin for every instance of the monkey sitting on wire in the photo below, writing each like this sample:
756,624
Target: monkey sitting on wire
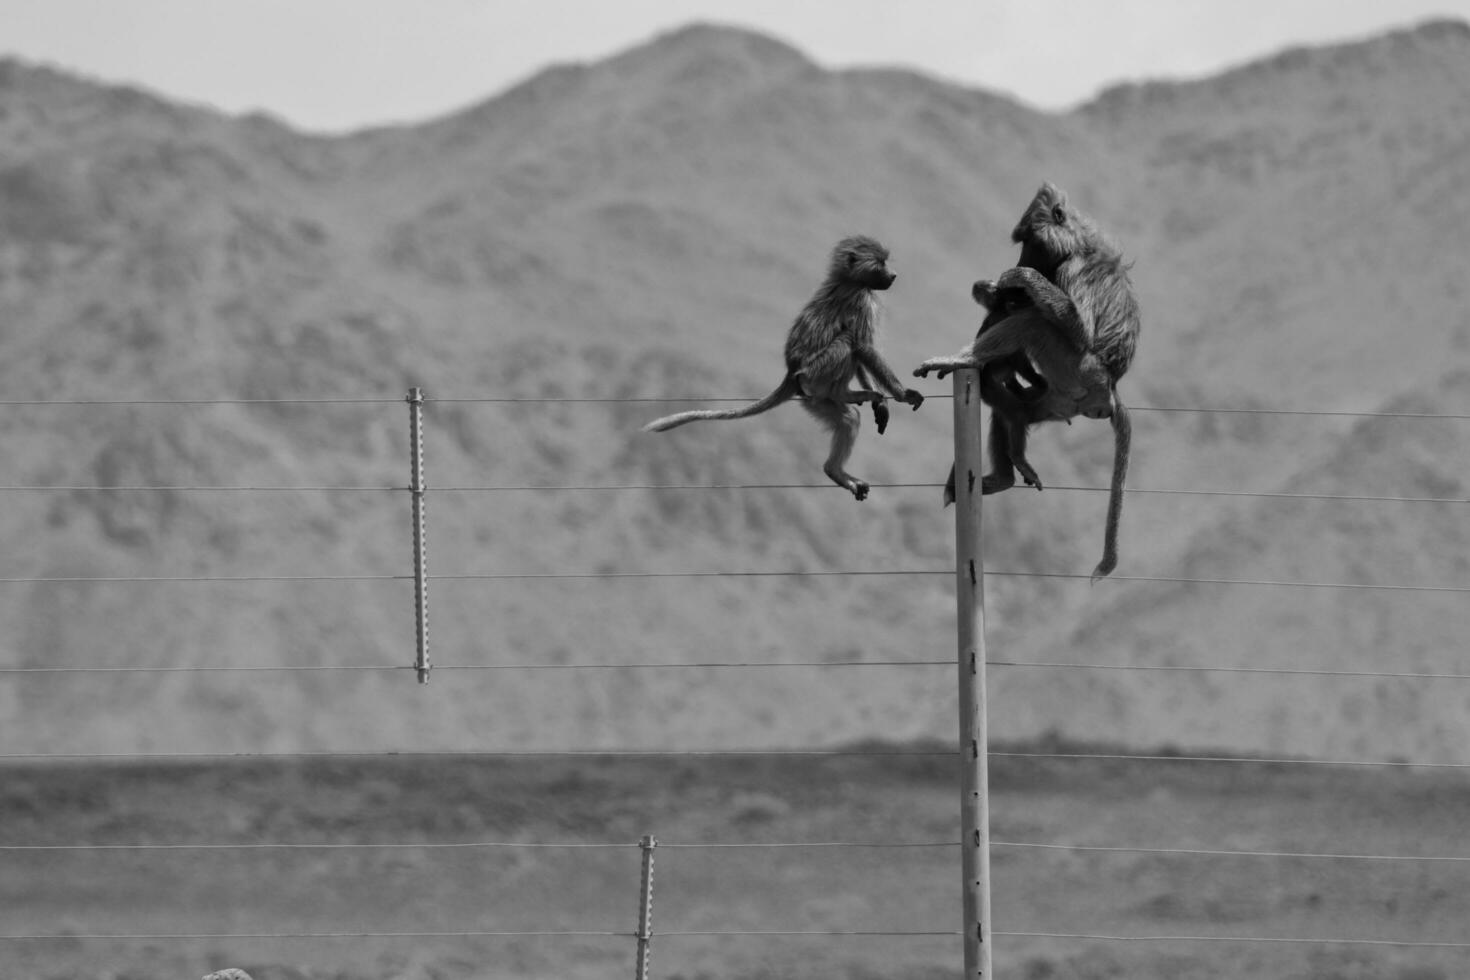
1061,329
831,343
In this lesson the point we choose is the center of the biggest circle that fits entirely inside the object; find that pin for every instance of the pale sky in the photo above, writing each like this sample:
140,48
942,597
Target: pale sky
333,65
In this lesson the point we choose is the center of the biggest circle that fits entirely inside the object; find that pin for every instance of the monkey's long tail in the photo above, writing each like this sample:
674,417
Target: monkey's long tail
1122,442
788,389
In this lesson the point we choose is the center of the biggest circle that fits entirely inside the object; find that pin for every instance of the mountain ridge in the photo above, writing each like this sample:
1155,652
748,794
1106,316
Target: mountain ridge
605,231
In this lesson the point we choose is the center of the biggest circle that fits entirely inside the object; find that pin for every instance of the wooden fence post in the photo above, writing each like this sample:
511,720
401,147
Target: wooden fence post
973,741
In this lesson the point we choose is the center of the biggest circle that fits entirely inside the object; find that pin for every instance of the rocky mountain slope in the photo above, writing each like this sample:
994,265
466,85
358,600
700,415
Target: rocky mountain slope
643,228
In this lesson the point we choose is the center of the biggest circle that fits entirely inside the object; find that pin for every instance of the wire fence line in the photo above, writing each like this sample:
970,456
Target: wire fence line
79,669
732,933
654,400
116,402
735,665
709,574
89,488
628,487
644,935
726,845
751,753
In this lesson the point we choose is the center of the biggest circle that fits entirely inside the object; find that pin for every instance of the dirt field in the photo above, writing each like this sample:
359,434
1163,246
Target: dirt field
175,895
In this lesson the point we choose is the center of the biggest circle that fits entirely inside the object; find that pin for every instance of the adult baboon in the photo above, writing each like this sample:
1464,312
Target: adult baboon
830,344
1069,312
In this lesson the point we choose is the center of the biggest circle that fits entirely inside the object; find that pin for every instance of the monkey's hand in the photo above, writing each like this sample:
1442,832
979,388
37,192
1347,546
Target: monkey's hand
1019,277
880,413
1053,302
943,365
913,398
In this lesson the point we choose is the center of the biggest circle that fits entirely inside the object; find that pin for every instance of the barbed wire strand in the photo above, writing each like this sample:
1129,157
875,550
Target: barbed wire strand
786,573
718,753
1243,760
323,846
1168,851
1231,669
628,487
739,665
1289,940
207,669
1279,584
186,936
719,845
650,400
1268,495
676,934
942,396
65,579
1207,852
197,488
1092,936
473,754
88,402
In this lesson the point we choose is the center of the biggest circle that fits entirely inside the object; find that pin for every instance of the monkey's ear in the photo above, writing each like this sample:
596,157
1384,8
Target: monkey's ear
851,259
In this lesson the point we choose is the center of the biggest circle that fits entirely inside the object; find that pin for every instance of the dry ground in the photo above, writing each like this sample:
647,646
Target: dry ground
763,800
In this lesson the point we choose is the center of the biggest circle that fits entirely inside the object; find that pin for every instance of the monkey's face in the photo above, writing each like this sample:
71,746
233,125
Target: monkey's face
879,277
1097,400
862,261
1050,231
869,269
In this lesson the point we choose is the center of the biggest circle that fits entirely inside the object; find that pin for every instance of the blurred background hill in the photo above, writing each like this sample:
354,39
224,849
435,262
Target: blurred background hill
645,227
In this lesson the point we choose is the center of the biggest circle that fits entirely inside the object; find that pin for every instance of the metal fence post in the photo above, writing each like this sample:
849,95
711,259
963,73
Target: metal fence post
645,908
416,489
973,744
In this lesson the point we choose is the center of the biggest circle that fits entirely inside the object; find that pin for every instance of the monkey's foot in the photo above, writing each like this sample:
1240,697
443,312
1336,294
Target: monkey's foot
880,414
1028,474
912,397
858,488
996,482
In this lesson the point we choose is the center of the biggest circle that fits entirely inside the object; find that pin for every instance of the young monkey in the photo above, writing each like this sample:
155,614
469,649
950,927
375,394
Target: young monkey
831,343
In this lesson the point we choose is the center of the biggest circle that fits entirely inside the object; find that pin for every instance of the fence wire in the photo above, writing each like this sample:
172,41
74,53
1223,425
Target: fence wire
636,753
658,400
738,665
723,933
338,846
729,845
628,487
707,574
